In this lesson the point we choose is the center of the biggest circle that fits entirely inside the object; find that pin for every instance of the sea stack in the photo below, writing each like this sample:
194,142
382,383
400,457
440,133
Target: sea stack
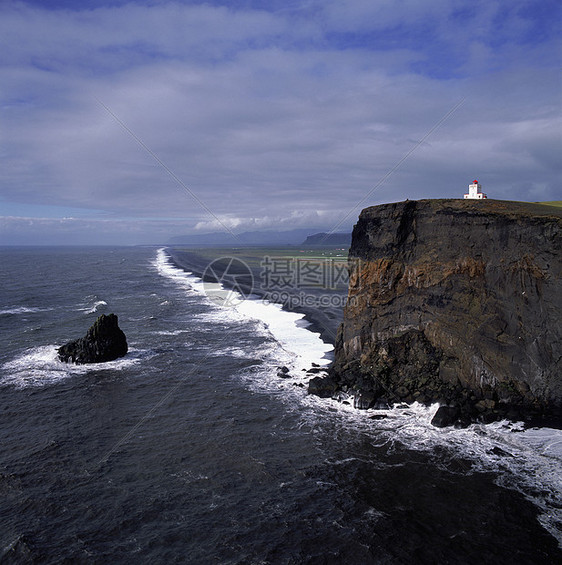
104,341
457,302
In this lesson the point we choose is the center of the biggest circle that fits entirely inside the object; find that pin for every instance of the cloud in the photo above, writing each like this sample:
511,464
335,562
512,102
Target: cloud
364,15
272,118
83,231
115,38
315,220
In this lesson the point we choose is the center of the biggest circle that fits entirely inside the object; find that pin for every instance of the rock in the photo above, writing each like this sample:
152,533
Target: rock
445,416
381,404
475,323
488,417
314,370
104,341
463,421
485,405
402,392
364,400
498,451
283,372
324,387
341,396
514,415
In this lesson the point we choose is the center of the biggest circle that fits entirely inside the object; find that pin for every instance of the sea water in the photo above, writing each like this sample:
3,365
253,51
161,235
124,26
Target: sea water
191,449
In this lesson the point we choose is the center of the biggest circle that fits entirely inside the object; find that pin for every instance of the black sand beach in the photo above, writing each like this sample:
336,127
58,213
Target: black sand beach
320,299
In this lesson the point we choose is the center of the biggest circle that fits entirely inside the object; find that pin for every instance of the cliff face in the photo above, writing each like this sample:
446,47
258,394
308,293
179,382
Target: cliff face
456,301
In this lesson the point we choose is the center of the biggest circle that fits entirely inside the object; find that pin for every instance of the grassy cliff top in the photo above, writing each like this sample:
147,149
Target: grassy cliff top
486,206
555,203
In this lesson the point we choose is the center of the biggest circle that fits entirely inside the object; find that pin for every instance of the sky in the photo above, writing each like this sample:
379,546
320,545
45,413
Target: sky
134,122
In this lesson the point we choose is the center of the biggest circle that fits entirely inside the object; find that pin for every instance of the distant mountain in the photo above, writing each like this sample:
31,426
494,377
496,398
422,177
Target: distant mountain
328,239
257,238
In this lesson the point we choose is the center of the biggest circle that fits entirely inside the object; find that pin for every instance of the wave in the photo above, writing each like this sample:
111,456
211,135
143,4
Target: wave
92,305
302,347
15,310
164,266
172,332
527,460
40,366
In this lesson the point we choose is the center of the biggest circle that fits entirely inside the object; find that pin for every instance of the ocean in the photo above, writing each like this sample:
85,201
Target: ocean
191,448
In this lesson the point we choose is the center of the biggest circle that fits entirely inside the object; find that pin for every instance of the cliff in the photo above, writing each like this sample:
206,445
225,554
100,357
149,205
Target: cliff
455,301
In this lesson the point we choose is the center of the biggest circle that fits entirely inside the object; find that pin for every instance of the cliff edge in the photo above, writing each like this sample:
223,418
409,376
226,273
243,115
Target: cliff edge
455,301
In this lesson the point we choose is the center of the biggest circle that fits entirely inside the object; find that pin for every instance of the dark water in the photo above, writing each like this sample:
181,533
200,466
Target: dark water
192,450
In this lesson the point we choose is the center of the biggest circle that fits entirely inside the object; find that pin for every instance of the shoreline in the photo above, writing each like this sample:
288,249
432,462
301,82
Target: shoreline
321,320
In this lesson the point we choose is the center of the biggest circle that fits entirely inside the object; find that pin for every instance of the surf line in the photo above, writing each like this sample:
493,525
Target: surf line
285,327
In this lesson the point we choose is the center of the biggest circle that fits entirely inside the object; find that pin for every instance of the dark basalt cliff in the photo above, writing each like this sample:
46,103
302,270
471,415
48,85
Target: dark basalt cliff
456,301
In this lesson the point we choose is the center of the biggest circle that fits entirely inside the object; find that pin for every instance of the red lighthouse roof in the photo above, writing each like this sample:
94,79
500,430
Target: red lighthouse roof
475,182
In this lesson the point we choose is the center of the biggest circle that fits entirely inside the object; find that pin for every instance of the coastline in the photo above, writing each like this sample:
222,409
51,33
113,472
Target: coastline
266,436
323,320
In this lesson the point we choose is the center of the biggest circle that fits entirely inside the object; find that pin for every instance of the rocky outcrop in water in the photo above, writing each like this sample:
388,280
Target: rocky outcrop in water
104,341
457,302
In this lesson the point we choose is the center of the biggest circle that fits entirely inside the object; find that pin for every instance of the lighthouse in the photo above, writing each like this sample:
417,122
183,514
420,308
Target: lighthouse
474,191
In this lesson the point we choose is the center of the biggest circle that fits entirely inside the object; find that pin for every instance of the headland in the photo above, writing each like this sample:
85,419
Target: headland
457,302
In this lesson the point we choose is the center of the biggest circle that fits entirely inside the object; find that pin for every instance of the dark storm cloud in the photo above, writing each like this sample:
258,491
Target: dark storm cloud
285,117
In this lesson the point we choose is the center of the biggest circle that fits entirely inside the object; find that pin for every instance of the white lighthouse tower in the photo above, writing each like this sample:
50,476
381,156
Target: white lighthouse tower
474,191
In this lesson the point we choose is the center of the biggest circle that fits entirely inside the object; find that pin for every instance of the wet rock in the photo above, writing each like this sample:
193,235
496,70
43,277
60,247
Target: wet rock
104,341
402,392
364,400
382,404
324,387
485,405
283,372
500,452
488,417
476,323
445,416
341,396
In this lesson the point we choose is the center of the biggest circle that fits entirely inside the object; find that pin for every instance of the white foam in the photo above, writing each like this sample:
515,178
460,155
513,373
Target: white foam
529,461
40,366
22,310
165,268
546,441
96,306
92,305
172,332
287,328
